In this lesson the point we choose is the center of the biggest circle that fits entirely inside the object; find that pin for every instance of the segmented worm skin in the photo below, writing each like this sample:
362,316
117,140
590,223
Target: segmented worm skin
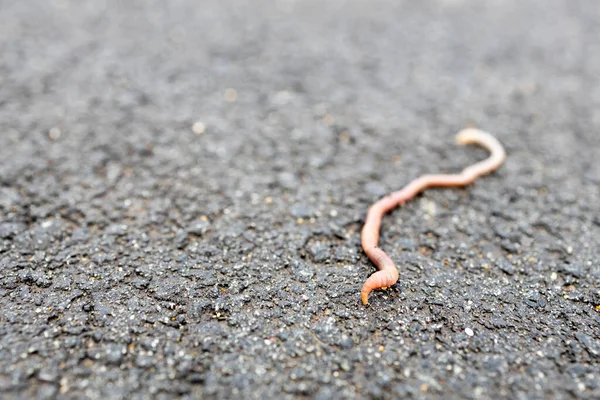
388,273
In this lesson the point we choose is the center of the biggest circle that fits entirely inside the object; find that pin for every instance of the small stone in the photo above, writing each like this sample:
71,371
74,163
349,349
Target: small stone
505,266
144,361
498,322
199,128
46,391
287,180
345,366
199,307
320,252
328,119
593,174
230,95
115,353
574,294
195,378
9,229
181,239
63,283
80,235
302,272
510,246
116,230
407,244
281,98
535,300
48,374
54,133
469,332
301,210
375,188
346,342
345,254
43,281
9,197
575,270
199,227
589,343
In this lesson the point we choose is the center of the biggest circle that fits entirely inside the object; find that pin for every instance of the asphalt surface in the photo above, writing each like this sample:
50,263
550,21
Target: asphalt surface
182,187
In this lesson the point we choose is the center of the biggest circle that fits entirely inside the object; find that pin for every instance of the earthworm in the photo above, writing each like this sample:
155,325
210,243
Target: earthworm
388,273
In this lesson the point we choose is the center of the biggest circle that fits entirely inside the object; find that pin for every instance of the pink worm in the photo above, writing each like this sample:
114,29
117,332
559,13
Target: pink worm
388,273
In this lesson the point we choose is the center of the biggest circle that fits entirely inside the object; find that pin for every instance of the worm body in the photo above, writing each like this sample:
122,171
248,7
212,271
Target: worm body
388,273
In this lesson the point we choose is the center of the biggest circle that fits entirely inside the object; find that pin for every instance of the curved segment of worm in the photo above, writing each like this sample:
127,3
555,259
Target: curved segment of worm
388,273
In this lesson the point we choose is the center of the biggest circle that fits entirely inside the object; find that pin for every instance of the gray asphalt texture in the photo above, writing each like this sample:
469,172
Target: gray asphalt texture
182,187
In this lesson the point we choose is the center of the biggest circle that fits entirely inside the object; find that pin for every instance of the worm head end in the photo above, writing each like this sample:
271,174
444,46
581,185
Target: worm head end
468,135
